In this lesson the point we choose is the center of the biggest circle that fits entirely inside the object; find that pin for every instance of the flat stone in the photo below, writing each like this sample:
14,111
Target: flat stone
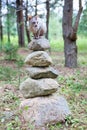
42,111
33,88
41,44
37,73
38,59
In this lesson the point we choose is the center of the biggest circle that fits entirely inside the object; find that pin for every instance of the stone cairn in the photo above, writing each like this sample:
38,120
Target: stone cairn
42,105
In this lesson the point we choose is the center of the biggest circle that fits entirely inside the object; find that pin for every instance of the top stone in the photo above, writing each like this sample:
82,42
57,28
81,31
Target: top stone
41,44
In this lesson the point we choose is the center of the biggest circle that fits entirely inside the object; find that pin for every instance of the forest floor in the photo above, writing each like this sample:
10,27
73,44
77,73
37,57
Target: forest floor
73,84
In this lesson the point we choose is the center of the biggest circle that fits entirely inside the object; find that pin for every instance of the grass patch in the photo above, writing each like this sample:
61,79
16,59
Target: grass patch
14,40
7,73
82,44
74,88
58,44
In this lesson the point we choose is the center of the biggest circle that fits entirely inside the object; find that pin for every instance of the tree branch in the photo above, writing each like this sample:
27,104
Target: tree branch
75,27
76,24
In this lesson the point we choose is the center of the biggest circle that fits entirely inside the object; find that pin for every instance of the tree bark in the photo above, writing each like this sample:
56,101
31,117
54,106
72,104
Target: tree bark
70,33
1,28
26,19
47,18
20,23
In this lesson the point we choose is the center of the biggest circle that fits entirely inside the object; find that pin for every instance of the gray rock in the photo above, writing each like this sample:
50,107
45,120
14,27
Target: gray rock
37,73
7,115
39,44
42,111
32,88
38,58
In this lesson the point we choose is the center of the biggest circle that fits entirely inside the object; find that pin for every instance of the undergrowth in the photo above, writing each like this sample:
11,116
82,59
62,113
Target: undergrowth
73,85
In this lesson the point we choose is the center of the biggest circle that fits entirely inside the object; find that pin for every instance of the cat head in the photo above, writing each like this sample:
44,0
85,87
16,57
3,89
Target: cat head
34,21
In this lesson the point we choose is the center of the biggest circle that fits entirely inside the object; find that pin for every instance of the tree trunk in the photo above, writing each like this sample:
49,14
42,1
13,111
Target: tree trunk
47,18
26,19
20,23
70,33
1,28
36,8
70,50
8,22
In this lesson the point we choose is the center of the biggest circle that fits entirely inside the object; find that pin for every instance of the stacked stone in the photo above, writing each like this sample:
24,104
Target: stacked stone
44,106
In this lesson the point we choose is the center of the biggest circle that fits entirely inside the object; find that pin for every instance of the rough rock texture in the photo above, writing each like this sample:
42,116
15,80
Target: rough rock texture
44,106
41,111
38,58
39,44
39,72
33,88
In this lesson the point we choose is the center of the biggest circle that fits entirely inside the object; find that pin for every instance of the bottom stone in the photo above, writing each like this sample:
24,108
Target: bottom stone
41,111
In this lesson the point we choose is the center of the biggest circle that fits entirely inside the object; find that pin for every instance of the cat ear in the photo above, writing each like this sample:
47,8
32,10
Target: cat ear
29,18
37,16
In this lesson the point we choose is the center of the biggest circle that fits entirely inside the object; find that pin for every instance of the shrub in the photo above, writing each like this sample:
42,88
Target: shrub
10,51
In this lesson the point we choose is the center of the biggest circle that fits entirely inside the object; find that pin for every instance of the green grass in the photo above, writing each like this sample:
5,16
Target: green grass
82,44
7,73
58,44
14,40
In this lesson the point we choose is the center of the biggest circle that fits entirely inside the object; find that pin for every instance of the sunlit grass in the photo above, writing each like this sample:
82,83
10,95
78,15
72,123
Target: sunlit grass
82,44
13,39
58,44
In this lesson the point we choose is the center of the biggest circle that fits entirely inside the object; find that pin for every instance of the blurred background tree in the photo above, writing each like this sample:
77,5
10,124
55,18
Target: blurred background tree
83,22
